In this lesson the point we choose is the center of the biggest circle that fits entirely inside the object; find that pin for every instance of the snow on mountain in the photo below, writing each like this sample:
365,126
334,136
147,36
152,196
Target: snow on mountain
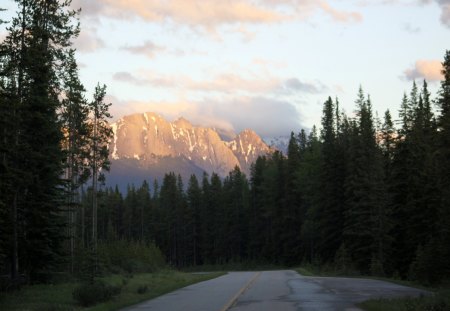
151,143
279,143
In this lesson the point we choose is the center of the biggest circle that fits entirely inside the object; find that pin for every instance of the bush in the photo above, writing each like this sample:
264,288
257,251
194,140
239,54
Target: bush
91,294
426,266
142,289
131,256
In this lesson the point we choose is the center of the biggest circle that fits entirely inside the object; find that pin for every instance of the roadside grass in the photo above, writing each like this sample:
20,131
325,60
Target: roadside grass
438,301
238,266
135,288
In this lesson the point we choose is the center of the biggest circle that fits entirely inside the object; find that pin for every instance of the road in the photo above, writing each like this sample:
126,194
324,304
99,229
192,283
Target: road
283,290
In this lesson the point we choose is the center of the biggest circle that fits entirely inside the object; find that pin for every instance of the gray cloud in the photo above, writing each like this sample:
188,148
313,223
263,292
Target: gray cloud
88,41
266,116
148,49
411,29
445,11
294,85
157,81
128,77
226,83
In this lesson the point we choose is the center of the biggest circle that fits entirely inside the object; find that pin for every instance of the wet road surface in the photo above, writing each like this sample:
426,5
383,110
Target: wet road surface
283,290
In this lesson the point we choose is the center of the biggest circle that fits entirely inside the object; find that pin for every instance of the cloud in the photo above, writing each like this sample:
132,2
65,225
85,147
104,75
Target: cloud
294,85
340,16
3,35
411,29
148,49
229,83
204,13
444,5
306,8
149,80
88,41
274,117
425,69
211,14
445,11
225,83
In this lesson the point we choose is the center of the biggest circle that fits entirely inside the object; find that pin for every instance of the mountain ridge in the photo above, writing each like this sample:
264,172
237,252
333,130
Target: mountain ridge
145,141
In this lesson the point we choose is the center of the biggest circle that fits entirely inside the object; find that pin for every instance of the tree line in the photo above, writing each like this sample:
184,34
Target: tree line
52,142
361,194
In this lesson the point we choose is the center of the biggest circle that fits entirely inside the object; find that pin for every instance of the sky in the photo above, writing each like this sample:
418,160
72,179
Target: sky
267,65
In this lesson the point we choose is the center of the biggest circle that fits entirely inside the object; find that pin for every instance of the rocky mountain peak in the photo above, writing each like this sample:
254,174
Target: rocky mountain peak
182,122
148,140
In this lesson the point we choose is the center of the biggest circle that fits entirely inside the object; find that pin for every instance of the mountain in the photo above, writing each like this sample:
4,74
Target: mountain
146,146
279,143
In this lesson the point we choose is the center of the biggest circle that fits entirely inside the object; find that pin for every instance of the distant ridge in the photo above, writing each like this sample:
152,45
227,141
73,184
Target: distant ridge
146,146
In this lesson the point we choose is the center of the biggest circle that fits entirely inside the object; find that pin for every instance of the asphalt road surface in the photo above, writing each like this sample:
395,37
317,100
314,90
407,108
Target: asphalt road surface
283,290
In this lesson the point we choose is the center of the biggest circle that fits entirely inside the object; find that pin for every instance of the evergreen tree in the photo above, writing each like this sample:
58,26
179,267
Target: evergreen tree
365,225
98,154
293,213
194,200
33,60
257,222
444,166
330,206
309,181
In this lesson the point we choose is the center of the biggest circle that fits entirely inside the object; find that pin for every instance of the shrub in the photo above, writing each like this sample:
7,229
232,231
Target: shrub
142,289
131,256
91,294
426,265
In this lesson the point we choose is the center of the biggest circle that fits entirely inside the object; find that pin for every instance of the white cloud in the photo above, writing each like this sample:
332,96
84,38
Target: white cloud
211,14
267,117
429,70
226,83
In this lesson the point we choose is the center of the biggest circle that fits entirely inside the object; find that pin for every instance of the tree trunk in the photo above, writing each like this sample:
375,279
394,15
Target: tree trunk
15,244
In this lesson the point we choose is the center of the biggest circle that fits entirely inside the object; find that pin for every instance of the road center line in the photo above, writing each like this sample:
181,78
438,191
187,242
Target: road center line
240,292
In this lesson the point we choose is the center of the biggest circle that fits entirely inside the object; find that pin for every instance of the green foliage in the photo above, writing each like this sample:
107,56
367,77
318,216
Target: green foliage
142,289
343,261
130,256
436,302
60,296
93,293
426,267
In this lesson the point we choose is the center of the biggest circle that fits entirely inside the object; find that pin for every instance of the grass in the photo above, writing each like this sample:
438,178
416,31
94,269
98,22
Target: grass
240,266
135,289
439,301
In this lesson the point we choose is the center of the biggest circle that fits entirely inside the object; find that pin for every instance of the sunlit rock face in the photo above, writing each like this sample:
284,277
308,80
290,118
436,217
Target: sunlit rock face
148,141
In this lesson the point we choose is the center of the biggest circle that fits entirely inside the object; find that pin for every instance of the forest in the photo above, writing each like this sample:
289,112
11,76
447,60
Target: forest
363,195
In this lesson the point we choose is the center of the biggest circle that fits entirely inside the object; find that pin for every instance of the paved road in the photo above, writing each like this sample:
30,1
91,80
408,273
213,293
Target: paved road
275,290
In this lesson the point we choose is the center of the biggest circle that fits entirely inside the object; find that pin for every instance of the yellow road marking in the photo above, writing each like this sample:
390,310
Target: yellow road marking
240,292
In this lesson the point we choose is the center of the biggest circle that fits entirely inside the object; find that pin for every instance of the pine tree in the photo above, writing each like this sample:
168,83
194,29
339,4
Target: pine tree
194,197
365,226
309,181
330,206
100,134
293,213
74,118
33,60
444,165
257,222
